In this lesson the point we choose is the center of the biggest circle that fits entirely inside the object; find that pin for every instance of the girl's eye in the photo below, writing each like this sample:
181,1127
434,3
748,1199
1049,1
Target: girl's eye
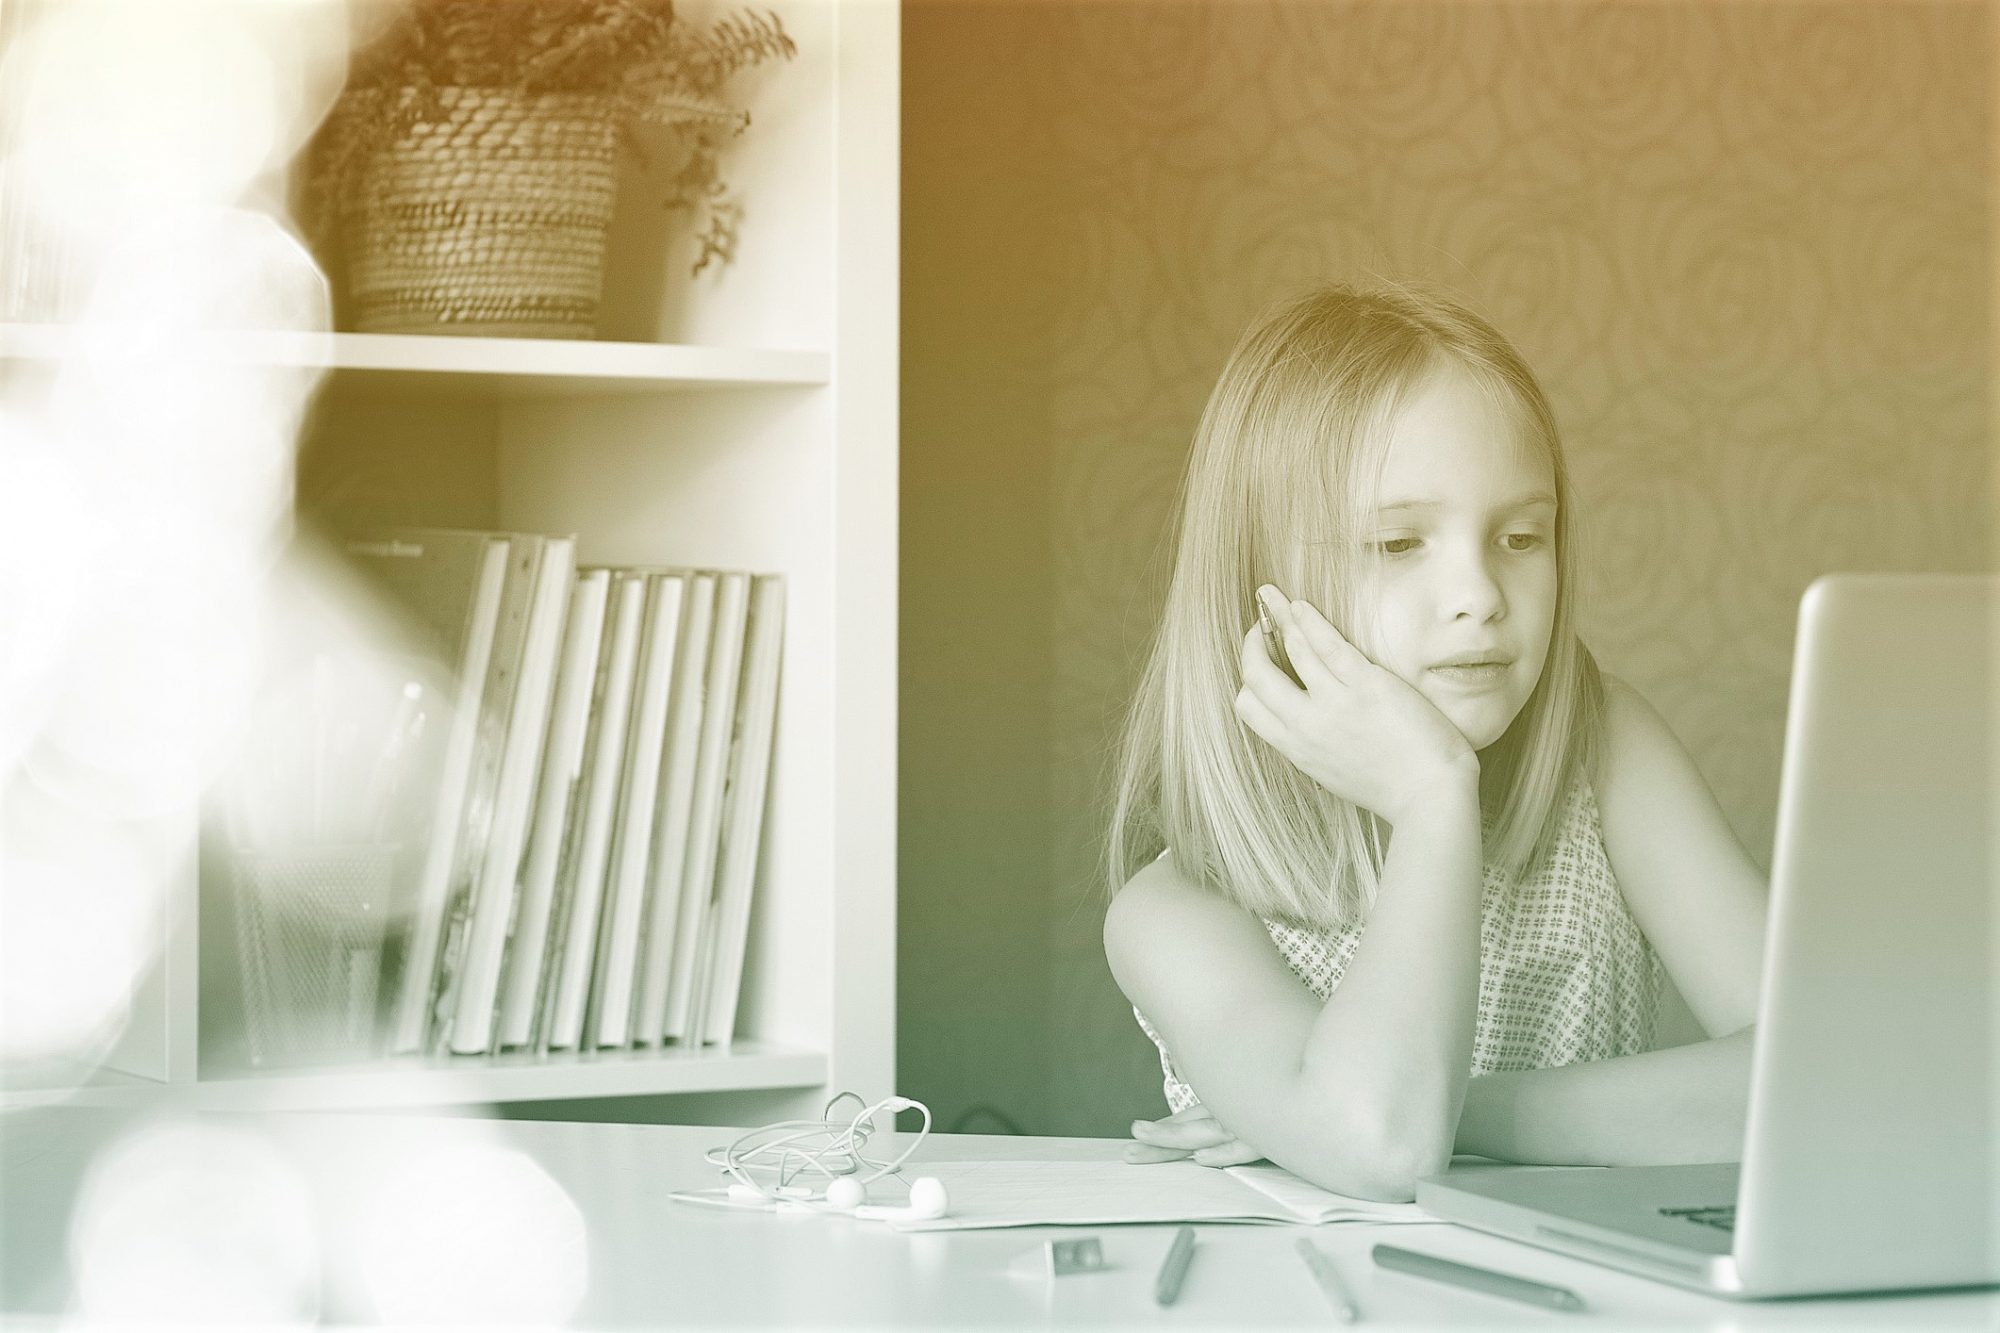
1396,545
1523,541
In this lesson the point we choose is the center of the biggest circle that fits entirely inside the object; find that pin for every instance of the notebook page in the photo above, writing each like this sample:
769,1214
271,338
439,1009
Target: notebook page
1027,1194
1309,1203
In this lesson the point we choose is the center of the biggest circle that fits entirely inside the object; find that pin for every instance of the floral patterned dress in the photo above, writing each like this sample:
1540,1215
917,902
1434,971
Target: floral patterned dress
1565,973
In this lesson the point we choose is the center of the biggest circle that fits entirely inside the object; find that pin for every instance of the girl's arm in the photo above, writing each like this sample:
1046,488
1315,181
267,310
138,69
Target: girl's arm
1684,1104
1700,901
1681,1105
1360,1094
1356,1094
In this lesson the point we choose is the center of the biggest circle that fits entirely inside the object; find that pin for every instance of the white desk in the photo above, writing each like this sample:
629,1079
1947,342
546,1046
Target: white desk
638,1260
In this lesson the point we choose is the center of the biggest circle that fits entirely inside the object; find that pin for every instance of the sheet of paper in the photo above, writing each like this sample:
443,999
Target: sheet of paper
1313,1204
1026,1194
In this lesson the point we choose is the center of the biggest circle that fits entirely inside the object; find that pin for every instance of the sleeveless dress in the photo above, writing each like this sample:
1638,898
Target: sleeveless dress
1565,973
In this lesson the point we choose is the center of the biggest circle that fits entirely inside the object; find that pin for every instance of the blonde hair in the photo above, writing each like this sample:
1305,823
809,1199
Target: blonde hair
1272,493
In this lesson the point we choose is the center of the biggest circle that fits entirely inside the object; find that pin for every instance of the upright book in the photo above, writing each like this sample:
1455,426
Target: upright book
555,802
604,770
725,657
496,706
676,809
450,586
513,801
625,888
719,979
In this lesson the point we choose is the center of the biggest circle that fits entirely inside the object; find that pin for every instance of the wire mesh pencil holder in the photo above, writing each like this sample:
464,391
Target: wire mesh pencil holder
310,929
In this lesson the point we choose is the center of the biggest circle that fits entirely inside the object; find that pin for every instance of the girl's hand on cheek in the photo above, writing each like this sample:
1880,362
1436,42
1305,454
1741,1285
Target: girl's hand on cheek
1192,1132
1359,730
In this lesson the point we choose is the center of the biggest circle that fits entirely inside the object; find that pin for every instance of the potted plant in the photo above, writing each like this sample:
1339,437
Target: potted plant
468,168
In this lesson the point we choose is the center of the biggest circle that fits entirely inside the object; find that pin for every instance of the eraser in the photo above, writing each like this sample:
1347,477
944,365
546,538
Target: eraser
1061,1258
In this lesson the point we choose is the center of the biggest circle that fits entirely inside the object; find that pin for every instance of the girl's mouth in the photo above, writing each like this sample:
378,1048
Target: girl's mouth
1472,674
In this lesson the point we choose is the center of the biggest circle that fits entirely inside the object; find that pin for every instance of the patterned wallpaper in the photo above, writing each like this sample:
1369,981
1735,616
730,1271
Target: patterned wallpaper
1747,246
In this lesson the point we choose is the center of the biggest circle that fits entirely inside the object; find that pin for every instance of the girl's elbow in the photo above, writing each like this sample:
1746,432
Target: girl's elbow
1407,1163
1392,1173
1382,1164
1371,1176
1378,1137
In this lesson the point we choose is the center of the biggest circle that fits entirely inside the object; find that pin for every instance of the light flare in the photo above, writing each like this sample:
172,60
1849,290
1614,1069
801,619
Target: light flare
197,1223
127,110
79,909
146,470
471,1233
42,508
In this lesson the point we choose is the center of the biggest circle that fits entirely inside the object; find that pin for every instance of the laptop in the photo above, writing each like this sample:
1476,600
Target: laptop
1869,1155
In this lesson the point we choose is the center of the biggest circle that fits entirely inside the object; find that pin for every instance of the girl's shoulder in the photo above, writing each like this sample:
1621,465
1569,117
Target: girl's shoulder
1679,862
1636,743
1660,821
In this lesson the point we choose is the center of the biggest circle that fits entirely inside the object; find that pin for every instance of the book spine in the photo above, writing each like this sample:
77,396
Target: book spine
496,706
555,802
606,770
626,892
421,958
569,865
675,809
743,809
697,878
521,757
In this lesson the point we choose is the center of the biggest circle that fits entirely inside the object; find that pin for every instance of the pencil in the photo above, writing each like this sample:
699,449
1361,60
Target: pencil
1274,644
1167,1287
1477,1279
1328,1277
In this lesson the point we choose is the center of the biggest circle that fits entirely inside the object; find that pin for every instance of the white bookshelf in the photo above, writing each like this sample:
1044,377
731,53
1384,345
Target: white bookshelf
435,1081
748,421
489,367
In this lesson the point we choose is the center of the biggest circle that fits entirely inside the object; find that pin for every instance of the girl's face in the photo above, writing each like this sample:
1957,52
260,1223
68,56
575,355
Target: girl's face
1458,561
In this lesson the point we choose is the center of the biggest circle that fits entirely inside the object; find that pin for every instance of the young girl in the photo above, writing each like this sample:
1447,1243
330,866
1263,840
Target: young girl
1416,896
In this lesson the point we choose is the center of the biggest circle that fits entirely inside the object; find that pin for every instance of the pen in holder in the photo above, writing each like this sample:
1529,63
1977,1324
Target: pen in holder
310,928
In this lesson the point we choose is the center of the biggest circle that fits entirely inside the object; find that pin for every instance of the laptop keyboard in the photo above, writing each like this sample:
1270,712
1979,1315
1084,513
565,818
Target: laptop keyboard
1722,1216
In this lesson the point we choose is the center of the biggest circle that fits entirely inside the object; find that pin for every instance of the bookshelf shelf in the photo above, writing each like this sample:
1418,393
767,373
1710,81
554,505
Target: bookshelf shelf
501,367
69,1081
430,1081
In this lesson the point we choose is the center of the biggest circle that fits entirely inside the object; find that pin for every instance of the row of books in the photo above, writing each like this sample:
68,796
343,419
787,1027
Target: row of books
592,843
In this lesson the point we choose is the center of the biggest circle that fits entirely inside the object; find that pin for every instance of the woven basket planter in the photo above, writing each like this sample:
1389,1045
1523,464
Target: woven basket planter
490,221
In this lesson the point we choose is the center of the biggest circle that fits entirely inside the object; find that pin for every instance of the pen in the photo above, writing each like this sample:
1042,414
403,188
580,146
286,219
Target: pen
1167,1287
1328,1277
1274,645
1477,1279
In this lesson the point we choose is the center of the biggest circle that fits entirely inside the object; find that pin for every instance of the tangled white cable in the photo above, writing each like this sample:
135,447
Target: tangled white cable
829,1147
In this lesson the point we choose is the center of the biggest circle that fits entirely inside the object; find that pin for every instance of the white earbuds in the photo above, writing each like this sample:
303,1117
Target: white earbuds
831,1149
846,1195
927,1200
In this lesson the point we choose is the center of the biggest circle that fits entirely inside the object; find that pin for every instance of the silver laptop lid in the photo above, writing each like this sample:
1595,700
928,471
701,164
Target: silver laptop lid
1869,1158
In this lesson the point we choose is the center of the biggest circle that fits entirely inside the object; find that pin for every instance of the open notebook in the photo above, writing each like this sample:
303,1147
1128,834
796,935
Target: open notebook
1030,1194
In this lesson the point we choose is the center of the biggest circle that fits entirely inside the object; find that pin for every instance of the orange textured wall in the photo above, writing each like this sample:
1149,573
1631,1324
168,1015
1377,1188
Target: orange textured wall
1748,247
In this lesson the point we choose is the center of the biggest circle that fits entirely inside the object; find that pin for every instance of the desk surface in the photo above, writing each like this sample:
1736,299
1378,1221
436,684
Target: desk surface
441,1219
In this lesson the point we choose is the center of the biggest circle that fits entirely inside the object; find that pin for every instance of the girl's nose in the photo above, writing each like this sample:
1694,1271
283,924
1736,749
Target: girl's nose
1472,592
